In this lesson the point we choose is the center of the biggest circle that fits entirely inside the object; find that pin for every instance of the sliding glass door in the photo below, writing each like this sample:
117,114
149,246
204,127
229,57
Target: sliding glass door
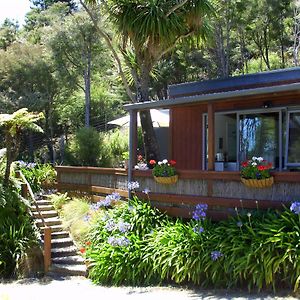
260,136
293,139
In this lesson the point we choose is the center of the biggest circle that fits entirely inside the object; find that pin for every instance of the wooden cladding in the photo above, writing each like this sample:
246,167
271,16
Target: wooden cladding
186,141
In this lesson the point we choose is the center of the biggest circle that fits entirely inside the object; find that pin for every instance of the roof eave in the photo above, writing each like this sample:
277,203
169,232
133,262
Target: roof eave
212,97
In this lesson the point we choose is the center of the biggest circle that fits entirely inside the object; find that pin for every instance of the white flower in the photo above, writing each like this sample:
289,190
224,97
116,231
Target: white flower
136,167
146,191
260,159
165,161
254,158
159,163
254,164
143,166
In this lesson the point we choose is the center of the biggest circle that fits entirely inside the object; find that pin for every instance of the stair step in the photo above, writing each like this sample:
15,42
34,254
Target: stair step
55,228
46,214
49,222
44,202
69,260
58,235
62,242
69,270
41,208
66,251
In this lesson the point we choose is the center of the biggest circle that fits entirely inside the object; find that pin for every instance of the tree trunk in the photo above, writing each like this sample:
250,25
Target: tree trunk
151,147
87,87
48,135
12,151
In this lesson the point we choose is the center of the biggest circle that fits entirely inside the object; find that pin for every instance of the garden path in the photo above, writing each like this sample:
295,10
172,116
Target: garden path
81,288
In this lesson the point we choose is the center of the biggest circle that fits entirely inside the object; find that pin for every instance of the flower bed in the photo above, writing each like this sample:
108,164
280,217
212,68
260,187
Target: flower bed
240,252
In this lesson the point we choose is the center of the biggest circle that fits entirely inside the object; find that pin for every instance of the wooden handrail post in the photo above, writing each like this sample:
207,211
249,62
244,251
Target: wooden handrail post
47,249
211,137
24,190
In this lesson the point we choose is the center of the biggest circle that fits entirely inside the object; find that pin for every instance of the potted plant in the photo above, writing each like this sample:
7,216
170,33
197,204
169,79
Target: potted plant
256,173
164,171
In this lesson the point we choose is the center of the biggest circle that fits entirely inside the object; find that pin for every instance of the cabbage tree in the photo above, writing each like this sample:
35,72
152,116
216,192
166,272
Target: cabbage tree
147,30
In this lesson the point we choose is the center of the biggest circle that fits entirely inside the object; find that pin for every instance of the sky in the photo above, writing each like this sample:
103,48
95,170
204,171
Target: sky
14,9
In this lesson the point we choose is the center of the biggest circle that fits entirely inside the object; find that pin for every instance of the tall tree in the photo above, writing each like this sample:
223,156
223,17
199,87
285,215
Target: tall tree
75,51
45,4
149,30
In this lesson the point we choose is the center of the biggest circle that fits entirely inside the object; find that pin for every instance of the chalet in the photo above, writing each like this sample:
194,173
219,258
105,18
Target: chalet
214,126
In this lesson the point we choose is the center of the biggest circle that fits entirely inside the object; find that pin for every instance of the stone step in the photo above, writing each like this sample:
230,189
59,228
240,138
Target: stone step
54,228
69,270
41,208
69,260
63,252
46,214
49,222
61,242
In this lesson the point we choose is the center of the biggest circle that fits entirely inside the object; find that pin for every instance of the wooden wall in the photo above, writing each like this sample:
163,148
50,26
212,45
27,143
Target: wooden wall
186,136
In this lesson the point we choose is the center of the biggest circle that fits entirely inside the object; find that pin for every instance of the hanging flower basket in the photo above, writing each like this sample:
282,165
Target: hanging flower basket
166,180
258,183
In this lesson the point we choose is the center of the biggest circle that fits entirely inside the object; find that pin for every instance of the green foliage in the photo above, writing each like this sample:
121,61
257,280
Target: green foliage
38,175
16,232
258,250
85,149
117,264
73,213
59,200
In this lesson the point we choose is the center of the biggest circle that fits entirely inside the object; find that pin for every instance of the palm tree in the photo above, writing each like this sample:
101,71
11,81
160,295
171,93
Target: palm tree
13,125
150,29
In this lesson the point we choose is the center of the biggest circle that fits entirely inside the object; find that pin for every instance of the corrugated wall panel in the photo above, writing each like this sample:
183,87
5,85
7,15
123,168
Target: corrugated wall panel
186,128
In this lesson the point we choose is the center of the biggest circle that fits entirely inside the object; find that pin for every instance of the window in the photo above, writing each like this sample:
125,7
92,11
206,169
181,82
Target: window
242,135
259,136
293,139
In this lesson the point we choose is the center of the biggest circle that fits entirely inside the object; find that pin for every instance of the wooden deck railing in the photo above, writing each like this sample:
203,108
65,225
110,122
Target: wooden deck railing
25,191
222,191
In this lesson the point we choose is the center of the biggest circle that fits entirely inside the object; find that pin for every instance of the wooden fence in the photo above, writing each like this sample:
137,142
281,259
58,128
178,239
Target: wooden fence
222,191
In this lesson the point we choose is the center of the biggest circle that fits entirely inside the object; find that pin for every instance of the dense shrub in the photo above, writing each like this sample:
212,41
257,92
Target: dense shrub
255,250
84,149
117,244
37,175
16,233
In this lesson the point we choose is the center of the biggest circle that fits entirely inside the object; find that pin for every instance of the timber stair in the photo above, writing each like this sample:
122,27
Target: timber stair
65,259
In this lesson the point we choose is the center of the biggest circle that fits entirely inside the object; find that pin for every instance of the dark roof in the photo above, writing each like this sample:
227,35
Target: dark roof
243,82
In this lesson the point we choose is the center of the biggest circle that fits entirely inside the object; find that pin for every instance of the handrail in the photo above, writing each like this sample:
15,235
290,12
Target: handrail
26,188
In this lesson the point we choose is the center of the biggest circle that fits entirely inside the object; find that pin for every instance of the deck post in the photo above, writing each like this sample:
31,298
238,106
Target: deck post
47,249
211,136
132,144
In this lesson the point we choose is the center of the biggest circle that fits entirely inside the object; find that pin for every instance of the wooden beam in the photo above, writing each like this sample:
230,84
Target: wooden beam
211,136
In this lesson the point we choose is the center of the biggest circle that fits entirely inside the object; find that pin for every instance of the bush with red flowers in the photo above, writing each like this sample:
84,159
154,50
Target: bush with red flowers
256,168
165,168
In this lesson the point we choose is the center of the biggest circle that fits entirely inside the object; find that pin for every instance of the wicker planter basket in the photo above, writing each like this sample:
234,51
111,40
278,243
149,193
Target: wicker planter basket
166,180
258,183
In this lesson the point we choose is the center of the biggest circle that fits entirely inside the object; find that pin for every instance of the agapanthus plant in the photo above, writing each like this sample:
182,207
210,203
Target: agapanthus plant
165,168
256,168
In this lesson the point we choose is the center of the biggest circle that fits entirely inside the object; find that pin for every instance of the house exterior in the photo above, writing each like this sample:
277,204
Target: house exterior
217,124
214,126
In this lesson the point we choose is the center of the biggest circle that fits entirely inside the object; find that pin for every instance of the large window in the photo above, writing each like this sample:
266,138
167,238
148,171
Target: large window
244,134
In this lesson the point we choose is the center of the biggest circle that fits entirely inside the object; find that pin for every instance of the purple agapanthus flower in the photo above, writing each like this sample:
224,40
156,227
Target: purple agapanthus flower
295,208
118,241
215,255
123,226
110,225
239,224
197,229
133,185
200,212
86,218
